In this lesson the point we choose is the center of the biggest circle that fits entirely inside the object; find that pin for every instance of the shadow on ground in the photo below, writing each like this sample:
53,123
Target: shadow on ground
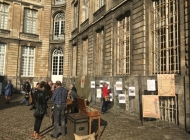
15,101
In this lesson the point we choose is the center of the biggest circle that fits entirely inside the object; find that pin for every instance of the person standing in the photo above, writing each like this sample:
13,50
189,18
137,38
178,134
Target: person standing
59,98
27,90
8,91
73,92
73,96
48,90
40,103
105,92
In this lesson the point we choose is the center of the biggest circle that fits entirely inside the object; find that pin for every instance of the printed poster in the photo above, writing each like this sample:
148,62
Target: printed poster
150,105
111,97
151,85
122,98
166,85
101,83
99,93
92,85
118,85
131,91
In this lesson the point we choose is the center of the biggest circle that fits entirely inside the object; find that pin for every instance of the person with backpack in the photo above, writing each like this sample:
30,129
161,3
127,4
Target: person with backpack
8,91
40,106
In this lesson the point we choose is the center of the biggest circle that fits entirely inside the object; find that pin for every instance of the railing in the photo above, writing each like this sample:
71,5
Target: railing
58,37
57,2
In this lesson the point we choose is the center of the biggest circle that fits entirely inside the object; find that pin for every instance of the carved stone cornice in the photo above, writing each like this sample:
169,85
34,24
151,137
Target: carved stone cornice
28,36
4,33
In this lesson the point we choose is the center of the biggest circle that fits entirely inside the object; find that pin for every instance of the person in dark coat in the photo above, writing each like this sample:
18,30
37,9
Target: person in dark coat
27,91
73,92
8,91
40,102
73,96
48,90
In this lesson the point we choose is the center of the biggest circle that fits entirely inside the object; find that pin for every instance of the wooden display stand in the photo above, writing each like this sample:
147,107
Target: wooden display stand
90,112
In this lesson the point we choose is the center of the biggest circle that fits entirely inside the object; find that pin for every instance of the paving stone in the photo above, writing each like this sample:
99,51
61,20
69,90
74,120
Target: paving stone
16,123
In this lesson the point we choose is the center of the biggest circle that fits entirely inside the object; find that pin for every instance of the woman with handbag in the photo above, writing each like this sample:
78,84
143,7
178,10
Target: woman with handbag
40,106
105,94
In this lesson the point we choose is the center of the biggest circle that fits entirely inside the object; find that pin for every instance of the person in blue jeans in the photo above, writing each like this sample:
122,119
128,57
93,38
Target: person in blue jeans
59,98
26,99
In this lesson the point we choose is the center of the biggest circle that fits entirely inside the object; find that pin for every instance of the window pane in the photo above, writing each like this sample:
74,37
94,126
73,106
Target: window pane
75,25
166,37
3,16
57,62
30,18
99,53
2,58
27,67
59,25
123,47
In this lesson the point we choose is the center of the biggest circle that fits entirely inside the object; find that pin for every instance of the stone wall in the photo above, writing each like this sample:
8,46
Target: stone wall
187,62
16,39
141,13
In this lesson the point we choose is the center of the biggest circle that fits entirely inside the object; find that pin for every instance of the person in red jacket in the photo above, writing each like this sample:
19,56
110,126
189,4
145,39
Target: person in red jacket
105,92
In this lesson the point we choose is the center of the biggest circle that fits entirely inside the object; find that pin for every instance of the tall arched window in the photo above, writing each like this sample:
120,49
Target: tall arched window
2,58
59,26
57,64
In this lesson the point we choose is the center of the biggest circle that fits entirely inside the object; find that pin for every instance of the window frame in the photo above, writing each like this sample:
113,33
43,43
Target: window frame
59,54
99,53
31,26
166,41
25,71
75,16
123,46
3,58
61,27
86,9
84,57
74,60
4,13
100,3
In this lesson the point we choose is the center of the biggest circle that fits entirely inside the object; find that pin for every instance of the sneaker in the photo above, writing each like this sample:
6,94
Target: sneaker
102,112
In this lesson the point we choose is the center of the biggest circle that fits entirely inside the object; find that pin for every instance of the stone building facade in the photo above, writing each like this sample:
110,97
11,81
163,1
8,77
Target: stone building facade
132,41
32,41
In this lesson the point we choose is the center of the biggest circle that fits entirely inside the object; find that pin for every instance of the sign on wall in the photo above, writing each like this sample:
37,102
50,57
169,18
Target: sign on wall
131,91
118,85
98,93
151,85
101,83
166,85
122,98
150,106
92,85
